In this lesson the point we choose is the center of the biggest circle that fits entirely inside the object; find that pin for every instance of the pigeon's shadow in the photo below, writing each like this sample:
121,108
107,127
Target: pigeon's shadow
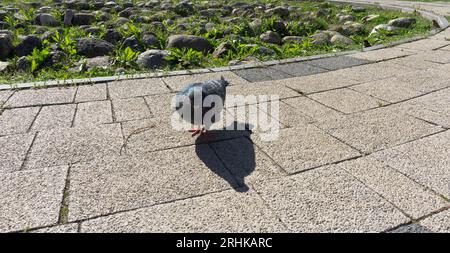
235,151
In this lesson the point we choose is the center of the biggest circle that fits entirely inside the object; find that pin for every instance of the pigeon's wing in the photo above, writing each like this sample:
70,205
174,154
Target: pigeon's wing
188,92
216,87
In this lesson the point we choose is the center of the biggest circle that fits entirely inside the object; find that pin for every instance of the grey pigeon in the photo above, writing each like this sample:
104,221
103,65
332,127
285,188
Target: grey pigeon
191,98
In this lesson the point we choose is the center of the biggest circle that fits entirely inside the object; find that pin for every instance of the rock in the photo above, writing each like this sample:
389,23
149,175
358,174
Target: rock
112,36
293,39
120,71
133,43
6,46
270,37
369,18
381,27
68,17
151,41
190,41
55,58
358,9
279,11
121,21
27,45
84,19
102,62
153,59
344,18
223,49
23,64
354,28
4,67
110,4
256,25
93,30
265,51
184,9
402,22
126,13
46,19
320,39
92,47
339,39
159,25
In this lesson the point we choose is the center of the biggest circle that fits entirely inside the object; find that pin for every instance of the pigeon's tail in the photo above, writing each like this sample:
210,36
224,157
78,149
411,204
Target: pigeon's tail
224,82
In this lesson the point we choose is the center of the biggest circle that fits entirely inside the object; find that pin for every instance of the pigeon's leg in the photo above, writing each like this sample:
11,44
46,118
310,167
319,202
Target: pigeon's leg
195,132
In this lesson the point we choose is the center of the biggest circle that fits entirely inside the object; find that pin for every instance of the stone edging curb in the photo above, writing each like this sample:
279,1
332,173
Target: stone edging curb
441,21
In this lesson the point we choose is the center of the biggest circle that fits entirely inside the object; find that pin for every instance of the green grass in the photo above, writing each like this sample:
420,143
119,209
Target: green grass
188,59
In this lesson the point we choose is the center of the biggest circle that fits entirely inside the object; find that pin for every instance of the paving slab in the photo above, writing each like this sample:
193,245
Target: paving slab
93,113
88,93
17,121
375,71
416,62
161,105
434,107
130,109
33,97
61,229
176,83
136,88
316,111
328,200
391,89
347,100
54,116
150,135
438,56
425,45
261,74
253,117
4,95
31,198
383,54
378,129
270,91
339,62
13,149
426,161
438,223
409,196
246,162
305,147
414,228
288,115
225,212
316,83
298,69
65,146
426,80
112,184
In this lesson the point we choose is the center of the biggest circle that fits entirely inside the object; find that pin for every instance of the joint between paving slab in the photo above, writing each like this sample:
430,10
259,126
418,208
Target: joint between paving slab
72,124
270,208
34,119
25,159
377,193
80,221
64,206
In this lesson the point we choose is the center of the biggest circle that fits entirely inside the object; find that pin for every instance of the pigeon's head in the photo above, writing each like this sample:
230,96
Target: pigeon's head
223,81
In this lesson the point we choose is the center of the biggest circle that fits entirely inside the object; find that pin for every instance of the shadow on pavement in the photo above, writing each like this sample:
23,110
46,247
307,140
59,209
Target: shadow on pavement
234,150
